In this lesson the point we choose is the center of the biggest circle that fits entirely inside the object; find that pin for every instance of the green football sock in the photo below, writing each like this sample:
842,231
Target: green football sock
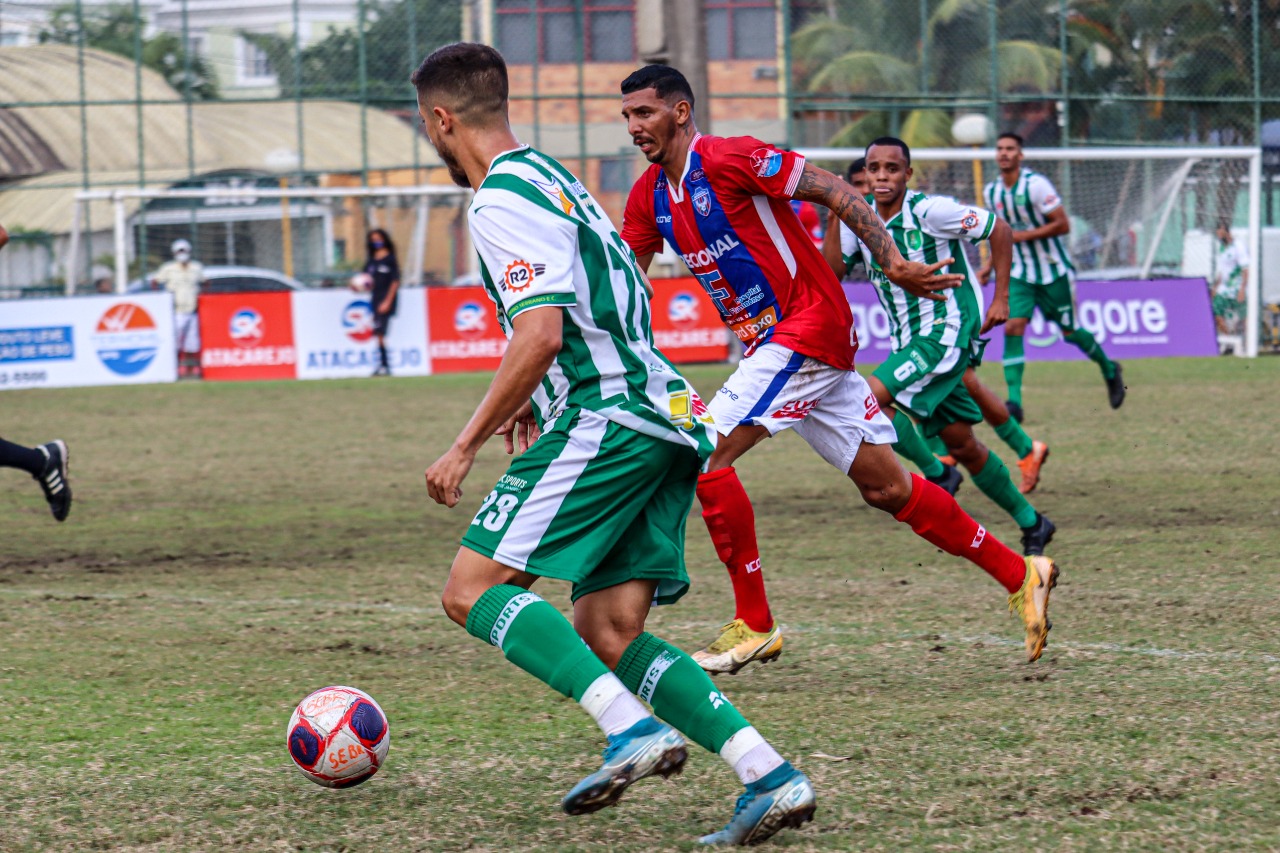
1014,361
679,691
911,446
1088,345
1012,434
937,446
993,481
535,637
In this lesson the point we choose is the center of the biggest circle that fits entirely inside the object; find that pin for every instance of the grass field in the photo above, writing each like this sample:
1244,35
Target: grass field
233,547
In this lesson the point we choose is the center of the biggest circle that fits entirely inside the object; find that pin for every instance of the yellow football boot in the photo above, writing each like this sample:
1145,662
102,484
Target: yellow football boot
738,646
1032,603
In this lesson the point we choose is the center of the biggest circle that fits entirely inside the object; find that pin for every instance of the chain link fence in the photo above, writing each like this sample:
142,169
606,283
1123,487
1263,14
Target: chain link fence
146,93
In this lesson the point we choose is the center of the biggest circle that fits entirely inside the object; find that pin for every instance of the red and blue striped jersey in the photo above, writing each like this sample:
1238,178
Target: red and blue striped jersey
731,221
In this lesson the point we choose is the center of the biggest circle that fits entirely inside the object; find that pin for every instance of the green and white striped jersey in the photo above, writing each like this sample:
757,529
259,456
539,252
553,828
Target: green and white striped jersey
544,241
1025,206
927,229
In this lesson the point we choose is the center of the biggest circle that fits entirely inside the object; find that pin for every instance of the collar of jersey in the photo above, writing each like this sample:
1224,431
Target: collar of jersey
906,199
677,192
506,155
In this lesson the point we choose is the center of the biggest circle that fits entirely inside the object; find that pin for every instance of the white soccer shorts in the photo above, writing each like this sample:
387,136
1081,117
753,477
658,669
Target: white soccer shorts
186,328
833,410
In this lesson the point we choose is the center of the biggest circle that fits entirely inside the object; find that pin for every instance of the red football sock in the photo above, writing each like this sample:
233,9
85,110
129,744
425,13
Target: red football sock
732,524
935,516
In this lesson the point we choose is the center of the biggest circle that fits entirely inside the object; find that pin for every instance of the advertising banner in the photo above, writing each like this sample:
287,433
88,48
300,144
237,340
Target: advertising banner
1130,319
333,334
686,325
463,329
247,336
87,340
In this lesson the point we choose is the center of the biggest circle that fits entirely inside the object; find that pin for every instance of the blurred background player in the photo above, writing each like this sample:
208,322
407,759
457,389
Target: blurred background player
933,342
724,206
842,251
1231,275
601,496
384,272
47,463
1043,275
184,277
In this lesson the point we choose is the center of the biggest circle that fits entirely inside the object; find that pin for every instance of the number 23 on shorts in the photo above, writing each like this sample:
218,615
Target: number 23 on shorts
495,510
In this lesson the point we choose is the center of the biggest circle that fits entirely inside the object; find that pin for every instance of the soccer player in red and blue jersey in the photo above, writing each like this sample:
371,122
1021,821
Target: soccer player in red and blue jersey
724,206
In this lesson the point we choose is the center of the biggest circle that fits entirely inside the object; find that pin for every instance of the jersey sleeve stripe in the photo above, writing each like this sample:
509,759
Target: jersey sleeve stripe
794,180
770,223
561,299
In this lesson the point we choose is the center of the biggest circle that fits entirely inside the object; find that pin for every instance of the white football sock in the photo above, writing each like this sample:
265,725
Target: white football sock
750,755
612,705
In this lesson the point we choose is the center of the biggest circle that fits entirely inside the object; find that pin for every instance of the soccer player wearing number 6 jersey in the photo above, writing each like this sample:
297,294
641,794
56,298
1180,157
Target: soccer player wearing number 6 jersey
601,495
934,343
724,205
1042,273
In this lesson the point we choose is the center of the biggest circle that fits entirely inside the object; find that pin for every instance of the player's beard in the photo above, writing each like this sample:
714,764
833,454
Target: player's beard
456,173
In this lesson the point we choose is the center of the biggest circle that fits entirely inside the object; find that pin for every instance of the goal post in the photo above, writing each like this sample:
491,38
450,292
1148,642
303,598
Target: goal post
313,234
1136,212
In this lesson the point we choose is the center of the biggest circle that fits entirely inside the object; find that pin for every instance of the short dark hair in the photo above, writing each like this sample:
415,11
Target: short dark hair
663,79
1009,134
859,165
894,141
468,77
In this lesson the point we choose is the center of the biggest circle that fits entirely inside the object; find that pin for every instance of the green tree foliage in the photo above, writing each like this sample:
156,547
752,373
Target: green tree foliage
115,28
397,37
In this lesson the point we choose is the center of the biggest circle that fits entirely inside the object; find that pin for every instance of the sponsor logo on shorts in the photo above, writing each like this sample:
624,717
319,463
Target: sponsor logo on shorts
753,327
872,405
796,410
508,615
767,162
651,678
702,201
519,274
512,483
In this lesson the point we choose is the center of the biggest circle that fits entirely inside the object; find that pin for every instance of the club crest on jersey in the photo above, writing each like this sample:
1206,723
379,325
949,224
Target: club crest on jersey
766,161
1020,198
915,240
519,274
969,222
702,201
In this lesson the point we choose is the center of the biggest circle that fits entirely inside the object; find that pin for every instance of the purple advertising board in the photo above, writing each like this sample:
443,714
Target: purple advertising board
1130,319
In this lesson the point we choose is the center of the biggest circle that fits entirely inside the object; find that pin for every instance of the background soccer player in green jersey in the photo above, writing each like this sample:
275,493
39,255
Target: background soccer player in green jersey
1042,273
600,495
933,342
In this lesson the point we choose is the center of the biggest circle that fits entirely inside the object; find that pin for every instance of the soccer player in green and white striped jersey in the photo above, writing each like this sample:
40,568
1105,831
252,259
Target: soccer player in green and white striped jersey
1042,273
843,250
934,343
609,465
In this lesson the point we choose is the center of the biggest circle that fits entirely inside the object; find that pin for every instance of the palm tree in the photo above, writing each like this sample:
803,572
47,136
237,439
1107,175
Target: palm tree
863,54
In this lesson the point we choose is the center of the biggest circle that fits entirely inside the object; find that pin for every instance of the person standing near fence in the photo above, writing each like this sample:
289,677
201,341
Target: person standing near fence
384,271
1231,274
184,277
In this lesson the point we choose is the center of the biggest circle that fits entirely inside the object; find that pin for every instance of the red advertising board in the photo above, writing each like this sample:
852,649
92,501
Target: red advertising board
686,325
247,336
462,330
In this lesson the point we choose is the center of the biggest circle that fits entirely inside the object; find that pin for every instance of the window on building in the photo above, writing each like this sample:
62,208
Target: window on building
547,30
742,29
255,65
615,174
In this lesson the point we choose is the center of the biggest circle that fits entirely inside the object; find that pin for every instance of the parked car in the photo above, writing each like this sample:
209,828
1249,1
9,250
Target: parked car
233,279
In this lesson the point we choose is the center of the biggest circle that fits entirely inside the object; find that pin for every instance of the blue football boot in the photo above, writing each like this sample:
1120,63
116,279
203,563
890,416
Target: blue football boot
782,799
649,748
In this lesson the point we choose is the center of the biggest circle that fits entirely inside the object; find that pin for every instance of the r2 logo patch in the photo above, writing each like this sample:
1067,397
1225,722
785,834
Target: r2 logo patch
519,274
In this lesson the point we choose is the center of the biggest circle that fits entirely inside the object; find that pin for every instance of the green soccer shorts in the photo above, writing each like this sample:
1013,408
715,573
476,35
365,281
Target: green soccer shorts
1056,300
595,504
927,379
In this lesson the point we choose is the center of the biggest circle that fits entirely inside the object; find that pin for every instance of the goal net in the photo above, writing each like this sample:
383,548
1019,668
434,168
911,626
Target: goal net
314,236
1135,212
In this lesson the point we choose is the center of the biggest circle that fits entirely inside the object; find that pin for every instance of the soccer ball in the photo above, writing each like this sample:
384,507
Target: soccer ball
338,737
361,282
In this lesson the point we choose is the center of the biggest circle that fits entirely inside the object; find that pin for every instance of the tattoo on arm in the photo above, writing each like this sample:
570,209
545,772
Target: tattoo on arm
822,187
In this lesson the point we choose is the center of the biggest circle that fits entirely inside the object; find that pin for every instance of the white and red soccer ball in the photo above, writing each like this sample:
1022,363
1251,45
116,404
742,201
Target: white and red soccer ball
361,282
338,737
